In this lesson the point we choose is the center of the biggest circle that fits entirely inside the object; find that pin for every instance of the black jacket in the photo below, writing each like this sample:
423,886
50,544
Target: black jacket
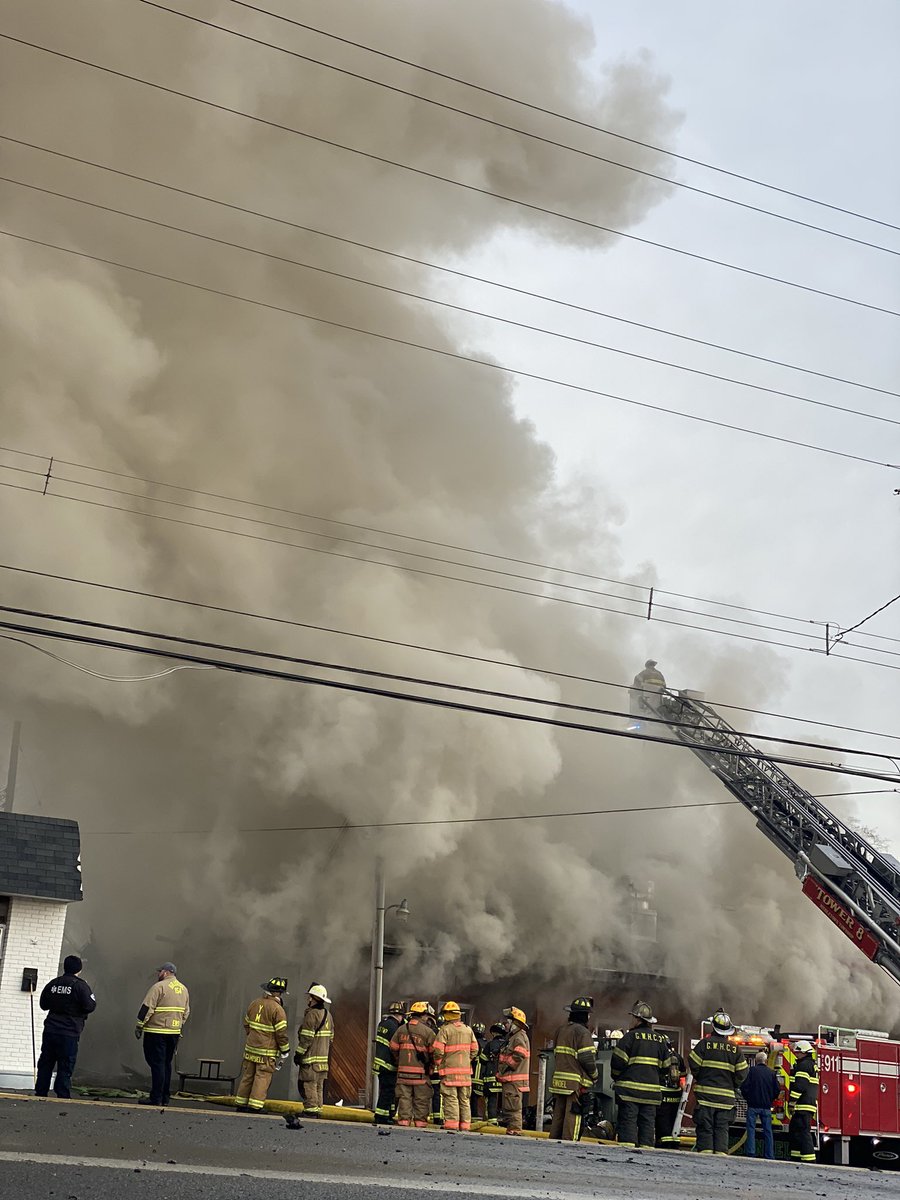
68,1000
761,1087
719,1070
639,1063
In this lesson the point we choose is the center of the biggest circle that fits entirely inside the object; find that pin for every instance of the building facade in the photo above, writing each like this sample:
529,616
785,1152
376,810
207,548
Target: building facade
40,875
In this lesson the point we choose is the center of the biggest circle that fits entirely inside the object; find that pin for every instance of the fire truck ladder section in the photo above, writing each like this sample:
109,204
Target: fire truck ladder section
856,887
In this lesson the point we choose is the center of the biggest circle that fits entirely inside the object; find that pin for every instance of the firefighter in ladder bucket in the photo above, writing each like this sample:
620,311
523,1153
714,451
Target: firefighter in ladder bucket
649,682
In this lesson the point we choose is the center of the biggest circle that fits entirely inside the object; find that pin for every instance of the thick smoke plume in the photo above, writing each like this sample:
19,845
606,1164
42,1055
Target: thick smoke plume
115,370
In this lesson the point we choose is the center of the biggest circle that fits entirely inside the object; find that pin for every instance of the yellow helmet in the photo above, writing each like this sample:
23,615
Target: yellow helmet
516,1014
450,1009
420,1008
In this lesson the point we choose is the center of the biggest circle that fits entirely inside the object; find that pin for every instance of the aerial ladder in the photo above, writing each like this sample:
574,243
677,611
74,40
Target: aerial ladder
855,885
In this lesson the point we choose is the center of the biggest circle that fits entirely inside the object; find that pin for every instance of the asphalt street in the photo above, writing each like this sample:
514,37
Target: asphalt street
101,1151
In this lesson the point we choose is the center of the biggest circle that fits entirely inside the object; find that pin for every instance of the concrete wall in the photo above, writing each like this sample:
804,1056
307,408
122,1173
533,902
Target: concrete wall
33,938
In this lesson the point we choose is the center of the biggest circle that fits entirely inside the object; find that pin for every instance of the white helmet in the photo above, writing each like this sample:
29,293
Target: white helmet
318,992
803,1047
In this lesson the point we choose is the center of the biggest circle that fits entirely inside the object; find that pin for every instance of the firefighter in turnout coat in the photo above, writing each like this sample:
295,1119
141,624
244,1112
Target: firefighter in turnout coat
574,1070
490,1059
719,1069
384,1065
412,1044
639,1062
514,1069
802,1101
314,1039
480,1031
454,1050
160,1022
266,1047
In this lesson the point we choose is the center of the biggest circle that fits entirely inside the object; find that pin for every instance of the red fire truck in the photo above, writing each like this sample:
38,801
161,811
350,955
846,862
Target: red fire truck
859,1092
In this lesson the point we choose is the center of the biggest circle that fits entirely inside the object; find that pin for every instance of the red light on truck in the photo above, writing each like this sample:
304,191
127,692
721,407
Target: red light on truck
851,1088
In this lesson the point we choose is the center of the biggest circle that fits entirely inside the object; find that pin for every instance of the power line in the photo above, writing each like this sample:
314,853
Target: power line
345,825
448,354
426,700
497,587
526,133
367,637
470,582
597,812
840,637
650,593
697,162
99,674
421,172
482,279
392,676
446,304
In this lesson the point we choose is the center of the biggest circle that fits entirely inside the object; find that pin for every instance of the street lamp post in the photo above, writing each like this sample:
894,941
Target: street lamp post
376,975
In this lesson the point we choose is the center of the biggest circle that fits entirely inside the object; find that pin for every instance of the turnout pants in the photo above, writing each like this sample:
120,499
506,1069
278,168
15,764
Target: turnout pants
512,1108
457,1106
413,1103
58,1051
637,1124
566,1122
803,1148
387,1097
159,1050
665,1121
712,1128
256,1078
311,1086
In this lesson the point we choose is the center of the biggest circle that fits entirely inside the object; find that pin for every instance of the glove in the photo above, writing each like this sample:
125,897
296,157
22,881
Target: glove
138,1032
298,1058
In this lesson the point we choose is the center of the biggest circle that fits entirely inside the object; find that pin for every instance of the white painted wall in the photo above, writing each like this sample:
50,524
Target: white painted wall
33,938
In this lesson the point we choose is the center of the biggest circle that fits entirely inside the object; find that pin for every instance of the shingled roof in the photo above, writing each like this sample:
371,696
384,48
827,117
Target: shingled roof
39,857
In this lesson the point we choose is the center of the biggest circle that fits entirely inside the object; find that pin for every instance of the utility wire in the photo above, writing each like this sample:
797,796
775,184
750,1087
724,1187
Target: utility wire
497,587
481,279
840,637
570,587
597,812
394,677
421,172
438,702
526,133
448,354
646,589
697,162
470,582
446,304
548,816
99,674
367,637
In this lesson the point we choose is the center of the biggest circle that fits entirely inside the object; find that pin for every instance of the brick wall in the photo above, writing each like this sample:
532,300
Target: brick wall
33,938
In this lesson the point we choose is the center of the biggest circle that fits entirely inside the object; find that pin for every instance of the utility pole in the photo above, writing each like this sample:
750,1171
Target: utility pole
375,978
10,794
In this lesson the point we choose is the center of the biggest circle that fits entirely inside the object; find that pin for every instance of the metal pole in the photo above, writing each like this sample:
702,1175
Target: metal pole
541,1092
7,805
375,981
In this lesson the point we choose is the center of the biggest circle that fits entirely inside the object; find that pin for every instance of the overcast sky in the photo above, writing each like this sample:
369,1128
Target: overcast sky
806,96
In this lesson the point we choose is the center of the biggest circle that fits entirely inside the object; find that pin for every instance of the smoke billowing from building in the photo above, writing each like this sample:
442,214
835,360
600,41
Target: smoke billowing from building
119,371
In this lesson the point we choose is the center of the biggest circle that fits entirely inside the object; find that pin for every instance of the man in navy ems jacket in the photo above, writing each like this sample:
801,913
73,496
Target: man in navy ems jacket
68,1001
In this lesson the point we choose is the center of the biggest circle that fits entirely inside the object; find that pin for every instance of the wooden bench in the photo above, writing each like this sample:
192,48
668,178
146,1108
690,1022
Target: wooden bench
210,1072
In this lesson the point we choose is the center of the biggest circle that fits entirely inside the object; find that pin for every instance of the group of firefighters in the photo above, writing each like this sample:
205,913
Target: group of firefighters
431,1067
